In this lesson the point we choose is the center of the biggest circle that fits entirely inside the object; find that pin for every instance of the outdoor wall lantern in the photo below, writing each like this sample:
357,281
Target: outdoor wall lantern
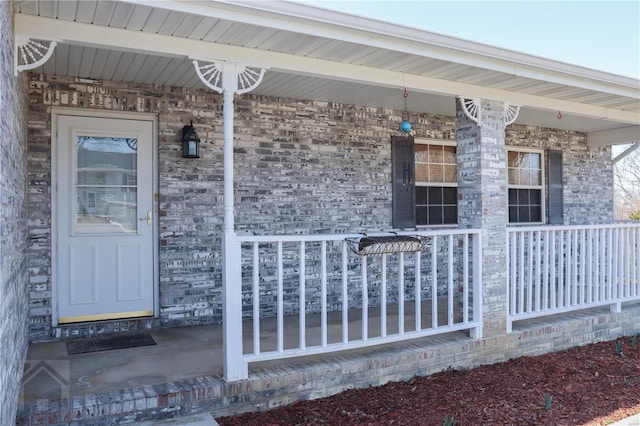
190,142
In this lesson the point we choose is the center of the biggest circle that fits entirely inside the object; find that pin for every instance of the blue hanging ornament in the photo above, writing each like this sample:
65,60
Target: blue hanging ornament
405,125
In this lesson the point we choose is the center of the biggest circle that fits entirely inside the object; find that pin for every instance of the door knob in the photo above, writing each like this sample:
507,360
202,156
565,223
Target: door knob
148,218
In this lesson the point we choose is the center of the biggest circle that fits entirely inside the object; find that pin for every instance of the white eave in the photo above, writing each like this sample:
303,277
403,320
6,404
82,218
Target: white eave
324,55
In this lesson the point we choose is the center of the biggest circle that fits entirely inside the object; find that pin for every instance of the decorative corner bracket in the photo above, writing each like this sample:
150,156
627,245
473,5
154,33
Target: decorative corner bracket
471,108
246,79
30,54
510,113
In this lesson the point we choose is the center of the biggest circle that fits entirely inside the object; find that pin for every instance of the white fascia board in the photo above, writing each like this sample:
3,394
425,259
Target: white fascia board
299,18
167,46
621,135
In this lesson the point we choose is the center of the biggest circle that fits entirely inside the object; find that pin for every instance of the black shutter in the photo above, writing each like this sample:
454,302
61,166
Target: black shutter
554,170
403,182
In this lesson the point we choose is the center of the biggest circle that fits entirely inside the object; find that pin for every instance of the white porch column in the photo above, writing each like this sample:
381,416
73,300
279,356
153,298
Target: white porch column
229,79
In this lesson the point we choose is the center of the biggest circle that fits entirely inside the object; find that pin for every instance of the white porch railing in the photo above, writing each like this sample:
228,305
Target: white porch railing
305,295
556,269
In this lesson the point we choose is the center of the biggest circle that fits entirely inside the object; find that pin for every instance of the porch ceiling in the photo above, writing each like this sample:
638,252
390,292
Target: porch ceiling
322,55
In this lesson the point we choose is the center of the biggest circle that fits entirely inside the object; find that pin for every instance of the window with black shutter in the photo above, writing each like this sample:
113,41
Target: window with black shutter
425,189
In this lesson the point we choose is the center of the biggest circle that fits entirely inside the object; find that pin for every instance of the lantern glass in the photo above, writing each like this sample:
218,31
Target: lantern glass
190,142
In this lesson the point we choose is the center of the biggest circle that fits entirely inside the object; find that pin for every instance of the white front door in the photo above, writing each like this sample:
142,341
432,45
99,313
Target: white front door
104,218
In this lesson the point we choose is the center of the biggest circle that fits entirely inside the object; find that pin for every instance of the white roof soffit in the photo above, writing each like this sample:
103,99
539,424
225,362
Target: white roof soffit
292,17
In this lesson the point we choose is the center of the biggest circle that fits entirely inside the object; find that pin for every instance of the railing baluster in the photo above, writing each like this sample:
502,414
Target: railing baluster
589,266
582,259
529,279
561,268
634,259
465,278
365,300
538,269
610,260
521,280
302,298
383,302
345,293
512,264
545,270
256,299
323,292
401,293
602,261
552,274
434,283
625,261
280,298
417,292
616,263
450,290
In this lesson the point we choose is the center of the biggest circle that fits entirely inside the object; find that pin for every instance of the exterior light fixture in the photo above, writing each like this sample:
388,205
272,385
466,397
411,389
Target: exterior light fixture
190,142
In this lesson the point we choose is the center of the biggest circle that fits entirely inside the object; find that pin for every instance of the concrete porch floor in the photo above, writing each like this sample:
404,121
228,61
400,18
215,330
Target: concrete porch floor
182,373
182,353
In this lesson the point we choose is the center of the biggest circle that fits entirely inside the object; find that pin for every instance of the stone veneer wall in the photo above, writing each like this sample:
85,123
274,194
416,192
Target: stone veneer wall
14,296
300,166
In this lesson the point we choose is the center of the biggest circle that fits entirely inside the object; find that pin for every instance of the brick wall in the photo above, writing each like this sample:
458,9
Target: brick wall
300,166
584,169
14,296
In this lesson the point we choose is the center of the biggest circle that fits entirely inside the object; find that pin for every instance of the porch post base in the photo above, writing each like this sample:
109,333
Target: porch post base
234,366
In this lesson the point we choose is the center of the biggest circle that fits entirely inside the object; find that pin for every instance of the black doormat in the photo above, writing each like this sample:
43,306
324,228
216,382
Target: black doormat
109,343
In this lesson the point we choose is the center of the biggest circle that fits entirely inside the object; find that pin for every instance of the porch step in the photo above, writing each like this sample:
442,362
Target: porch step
188,402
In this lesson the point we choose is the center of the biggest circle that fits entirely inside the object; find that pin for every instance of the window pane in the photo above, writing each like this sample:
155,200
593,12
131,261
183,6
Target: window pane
535,214
421,215
105,188
523,214
535,177
450,214
106,210
515,159
513,214
449,153
435,173
534,161
435,196
513,194
450,196
422,153
421,173
535,196
450,174
523,196
436,154
514,177
421,195
435,215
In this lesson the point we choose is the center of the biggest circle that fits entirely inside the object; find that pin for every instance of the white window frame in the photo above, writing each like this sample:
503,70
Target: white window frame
439,142
541,187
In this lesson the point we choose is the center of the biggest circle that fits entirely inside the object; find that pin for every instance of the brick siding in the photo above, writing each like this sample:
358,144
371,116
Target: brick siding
300,167
14,295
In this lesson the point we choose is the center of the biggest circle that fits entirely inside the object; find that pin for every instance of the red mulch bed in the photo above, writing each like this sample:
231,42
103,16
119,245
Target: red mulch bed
596,384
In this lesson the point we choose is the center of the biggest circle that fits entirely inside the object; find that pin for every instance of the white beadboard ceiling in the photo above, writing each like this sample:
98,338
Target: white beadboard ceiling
425,62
